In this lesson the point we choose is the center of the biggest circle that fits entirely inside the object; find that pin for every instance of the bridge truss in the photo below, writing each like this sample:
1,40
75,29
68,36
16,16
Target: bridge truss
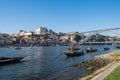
107,32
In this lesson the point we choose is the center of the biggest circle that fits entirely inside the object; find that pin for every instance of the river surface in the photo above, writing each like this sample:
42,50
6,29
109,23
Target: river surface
45,63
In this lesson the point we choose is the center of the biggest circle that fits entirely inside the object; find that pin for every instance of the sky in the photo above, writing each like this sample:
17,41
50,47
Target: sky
58,15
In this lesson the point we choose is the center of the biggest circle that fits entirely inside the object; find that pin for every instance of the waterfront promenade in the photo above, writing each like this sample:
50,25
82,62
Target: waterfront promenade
102,75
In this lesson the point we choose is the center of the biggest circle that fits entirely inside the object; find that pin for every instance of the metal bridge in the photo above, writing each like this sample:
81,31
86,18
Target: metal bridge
104,30
115,31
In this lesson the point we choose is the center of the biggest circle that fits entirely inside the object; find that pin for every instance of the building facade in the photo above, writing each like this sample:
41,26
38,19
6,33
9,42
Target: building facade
41,30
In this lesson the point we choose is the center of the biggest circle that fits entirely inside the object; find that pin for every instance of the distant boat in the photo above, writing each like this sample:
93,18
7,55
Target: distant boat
73,53
74,48
117,46
57,45
91,50
7,60
106,48
17,48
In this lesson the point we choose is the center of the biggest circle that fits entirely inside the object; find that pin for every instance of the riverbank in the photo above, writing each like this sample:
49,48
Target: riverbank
98,64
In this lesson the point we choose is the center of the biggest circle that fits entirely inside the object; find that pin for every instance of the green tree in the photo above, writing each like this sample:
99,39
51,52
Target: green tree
46,36
77,38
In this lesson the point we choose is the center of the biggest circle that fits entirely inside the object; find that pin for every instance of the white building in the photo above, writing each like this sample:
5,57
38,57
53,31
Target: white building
41,30
25,33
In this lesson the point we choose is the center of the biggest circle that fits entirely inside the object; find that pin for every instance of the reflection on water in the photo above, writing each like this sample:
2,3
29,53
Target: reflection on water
47,63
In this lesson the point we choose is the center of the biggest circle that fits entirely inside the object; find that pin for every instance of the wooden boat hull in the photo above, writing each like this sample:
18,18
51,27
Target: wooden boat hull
74,54
5,60
91,50
17,48
74,49
117,46
106,48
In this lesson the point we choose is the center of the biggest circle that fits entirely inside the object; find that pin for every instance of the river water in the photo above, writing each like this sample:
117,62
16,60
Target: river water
45,63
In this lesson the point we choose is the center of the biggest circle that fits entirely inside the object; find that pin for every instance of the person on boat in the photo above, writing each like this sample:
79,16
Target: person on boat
89,48
72,48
